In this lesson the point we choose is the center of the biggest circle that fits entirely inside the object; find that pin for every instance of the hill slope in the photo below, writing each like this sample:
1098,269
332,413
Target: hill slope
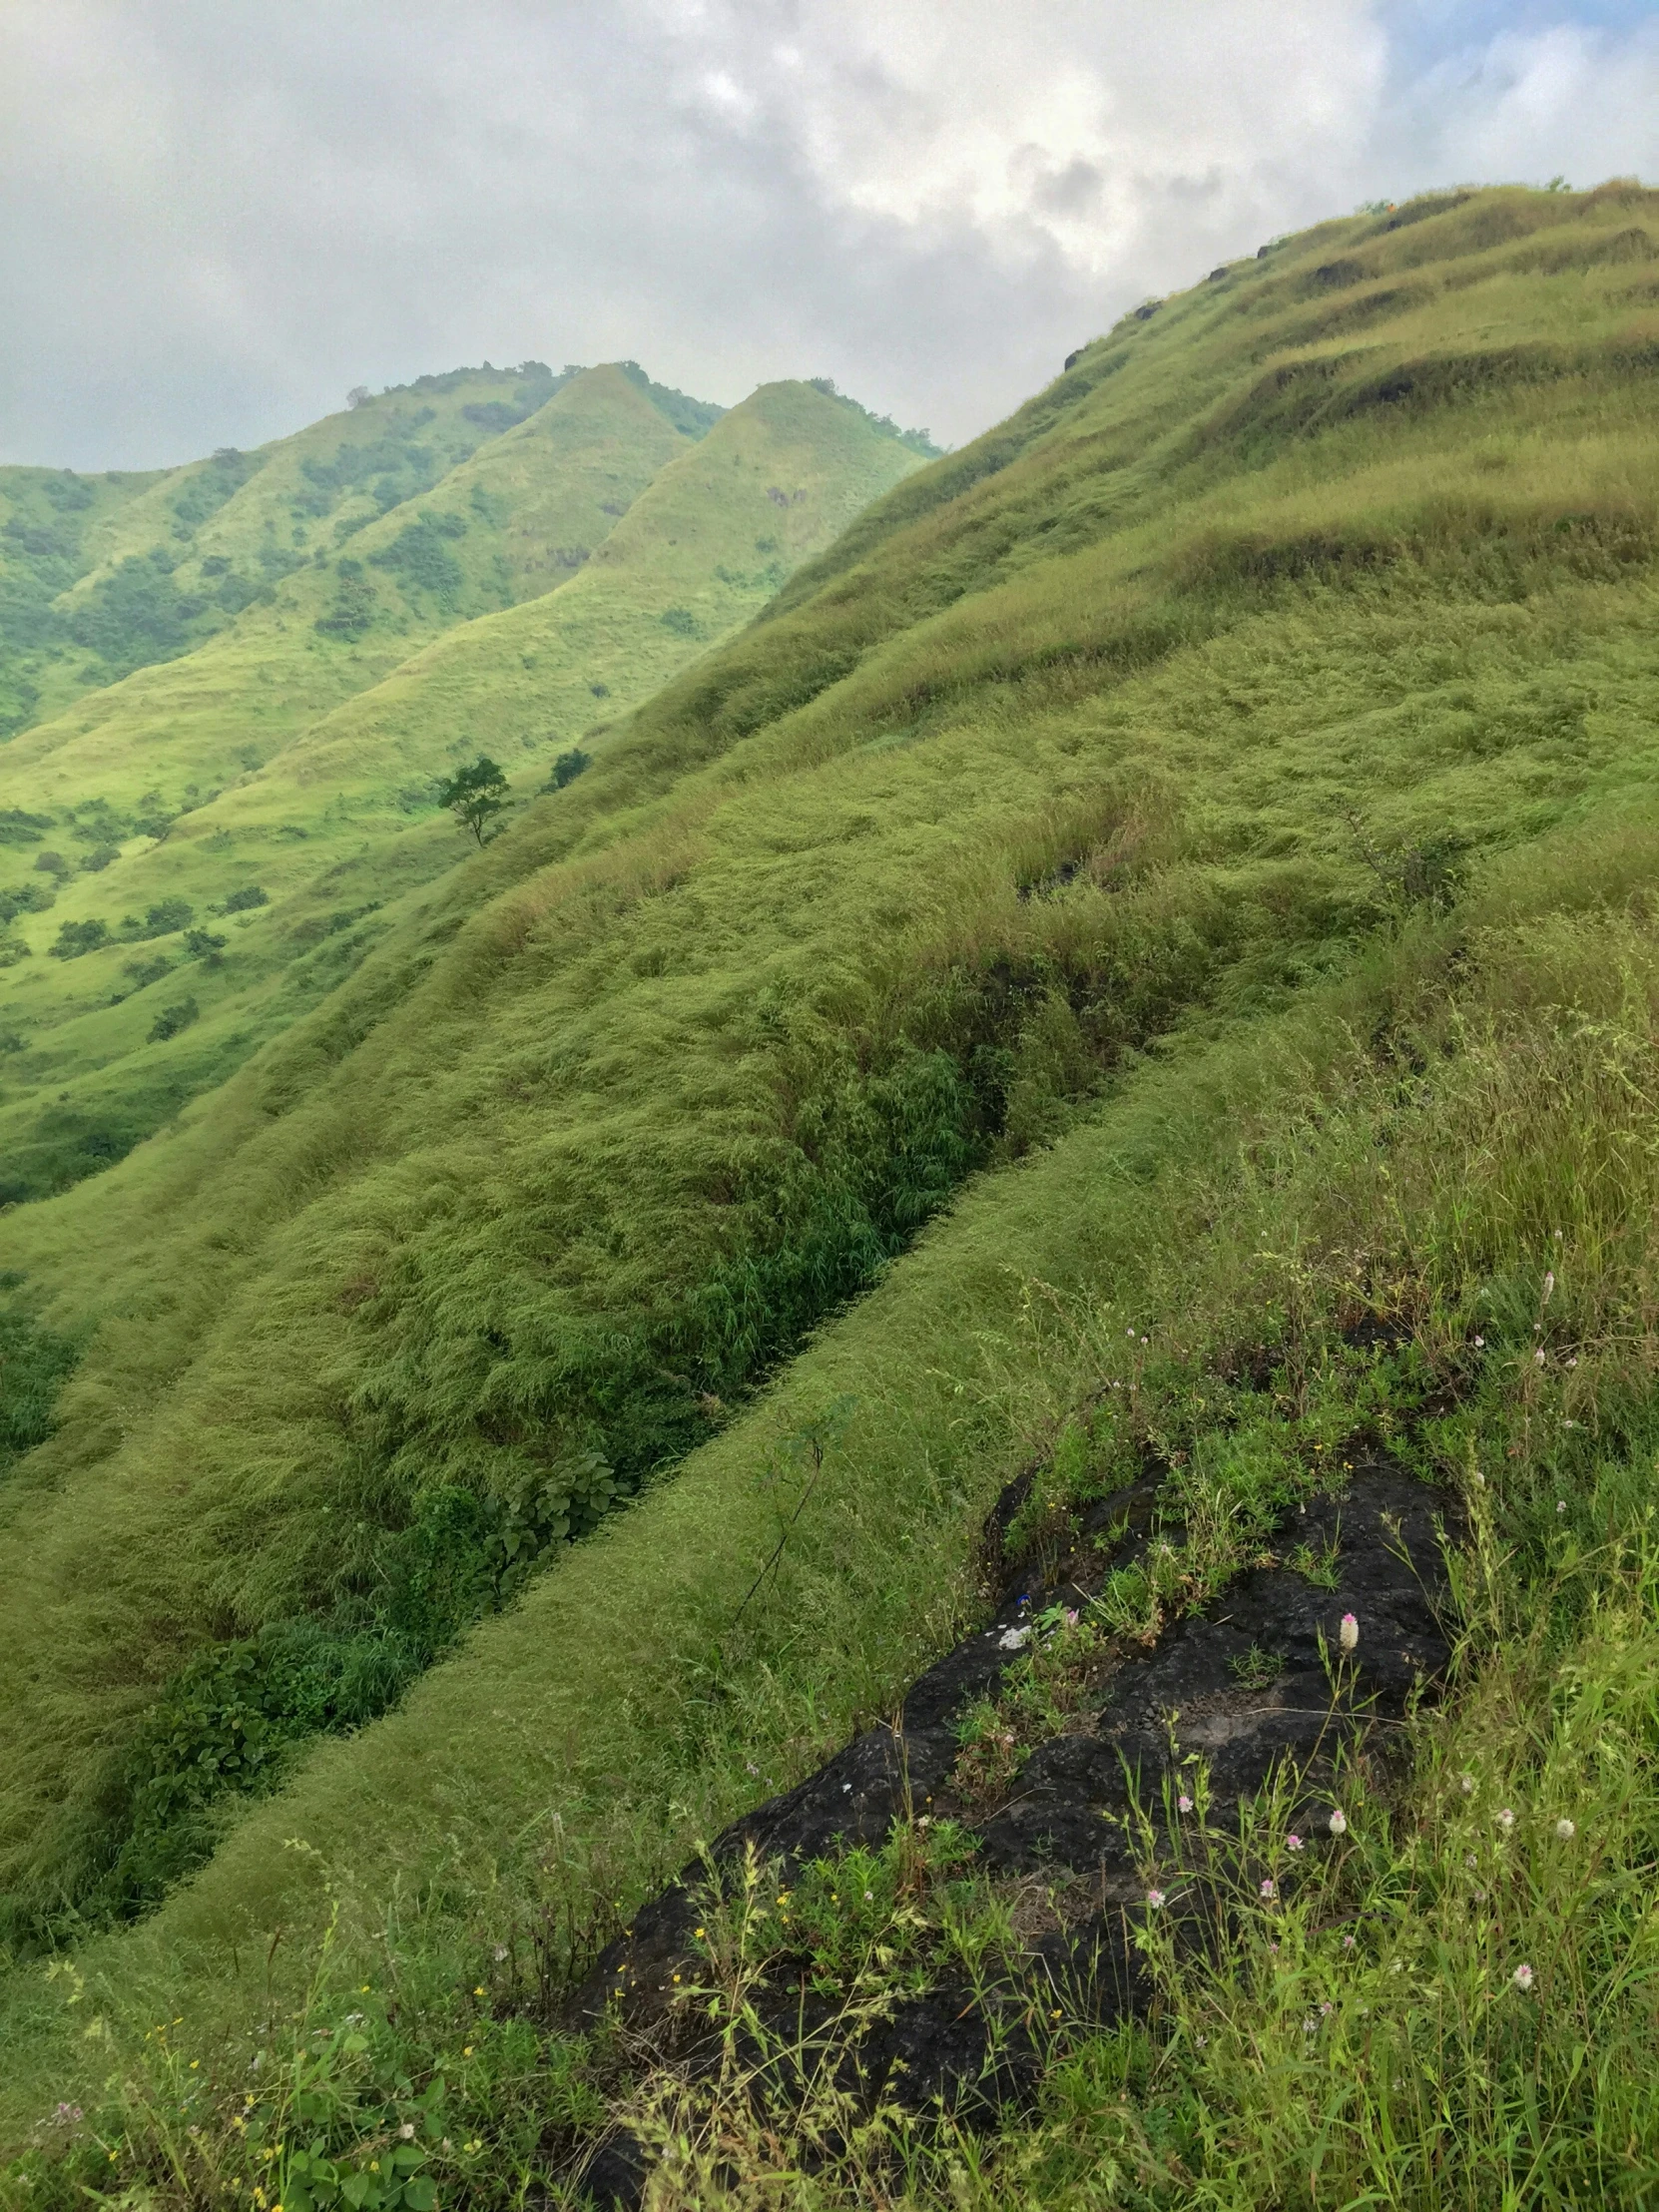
1216,811
105,574
300,749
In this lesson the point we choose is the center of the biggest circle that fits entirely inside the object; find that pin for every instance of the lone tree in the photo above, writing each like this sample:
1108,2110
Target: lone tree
475,795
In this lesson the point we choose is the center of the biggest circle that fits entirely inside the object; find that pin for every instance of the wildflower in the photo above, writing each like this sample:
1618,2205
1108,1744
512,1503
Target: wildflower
1348,1943
1560,1504
1471,1860
478,1992
407,2132
1309,2027
1327,2010
499,1953
1270,1887
1348,1633
1338,1822
1071,1616
869,1897
1538,1356
1183,1805
697,1932
1505,1817
751,1767
1479,1344
1524,1976
1155,1898
1574,1362
1549,1286
1468,1784
1293,1842
1565,1830
1013,1639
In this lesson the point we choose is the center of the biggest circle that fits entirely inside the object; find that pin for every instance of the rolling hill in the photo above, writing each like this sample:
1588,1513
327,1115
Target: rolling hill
280,779
1134,977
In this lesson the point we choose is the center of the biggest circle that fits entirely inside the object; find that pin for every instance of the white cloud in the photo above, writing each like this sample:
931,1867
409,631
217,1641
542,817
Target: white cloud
214,220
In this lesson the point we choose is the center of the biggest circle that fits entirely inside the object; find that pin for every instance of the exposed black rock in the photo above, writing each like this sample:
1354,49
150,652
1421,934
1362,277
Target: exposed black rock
1197,1691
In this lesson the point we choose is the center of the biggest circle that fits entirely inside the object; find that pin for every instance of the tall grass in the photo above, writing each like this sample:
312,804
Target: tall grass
1108,844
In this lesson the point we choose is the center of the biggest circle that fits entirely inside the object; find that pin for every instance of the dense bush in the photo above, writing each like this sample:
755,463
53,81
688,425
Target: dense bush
567,767
34,1364
244,900
171,1019
25,898
420,560
355,606
160,919
76,938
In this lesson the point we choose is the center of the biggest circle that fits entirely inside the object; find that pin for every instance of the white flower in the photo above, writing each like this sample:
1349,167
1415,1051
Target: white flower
1012,1639
1183,1805
1269,1889
1338,1822
1505,1817
1565,1830
1468,1784
1479,1344
1549,1286
1348,1633
1155,1898
407,2132
1538,1356
1293,1842
1524,1976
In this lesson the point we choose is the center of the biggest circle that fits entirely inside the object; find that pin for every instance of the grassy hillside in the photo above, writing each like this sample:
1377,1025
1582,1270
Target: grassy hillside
105,574
1195,849
290,764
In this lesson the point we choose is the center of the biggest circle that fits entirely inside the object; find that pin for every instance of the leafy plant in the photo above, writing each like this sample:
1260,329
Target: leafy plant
475,796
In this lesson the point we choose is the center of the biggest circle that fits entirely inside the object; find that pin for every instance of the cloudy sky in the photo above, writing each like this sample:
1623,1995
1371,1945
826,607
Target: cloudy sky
218,215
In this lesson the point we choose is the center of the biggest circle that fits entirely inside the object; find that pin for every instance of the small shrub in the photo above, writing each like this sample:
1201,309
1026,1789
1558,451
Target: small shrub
161,920
243,901
567,768
99,858
171,1019
75,937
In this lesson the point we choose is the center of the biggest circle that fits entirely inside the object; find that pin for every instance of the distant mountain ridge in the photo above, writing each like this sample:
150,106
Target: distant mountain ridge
592,532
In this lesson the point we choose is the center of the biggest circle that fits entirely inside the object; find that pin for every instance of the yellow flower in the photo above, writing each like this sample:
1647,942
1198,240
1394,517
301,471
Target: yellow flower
466,2050
478,1992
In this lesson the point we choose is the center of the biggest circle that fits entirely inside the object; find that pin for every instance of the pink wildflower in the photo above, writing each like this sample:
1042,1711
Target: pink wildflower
1524,1976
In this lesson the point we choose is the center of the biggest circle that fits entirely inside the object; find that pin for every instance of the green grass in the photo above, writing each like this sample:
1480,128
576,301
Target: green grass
1215,818
301,761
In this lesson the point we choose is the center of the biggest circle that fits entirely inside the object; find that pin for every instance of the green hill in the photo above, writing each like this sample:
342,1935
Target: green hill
1139,965
287,766
105,574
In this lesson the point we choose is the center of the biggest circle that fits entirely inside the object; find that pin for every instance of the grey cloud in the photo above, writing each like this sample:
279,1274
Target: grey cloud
217,219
